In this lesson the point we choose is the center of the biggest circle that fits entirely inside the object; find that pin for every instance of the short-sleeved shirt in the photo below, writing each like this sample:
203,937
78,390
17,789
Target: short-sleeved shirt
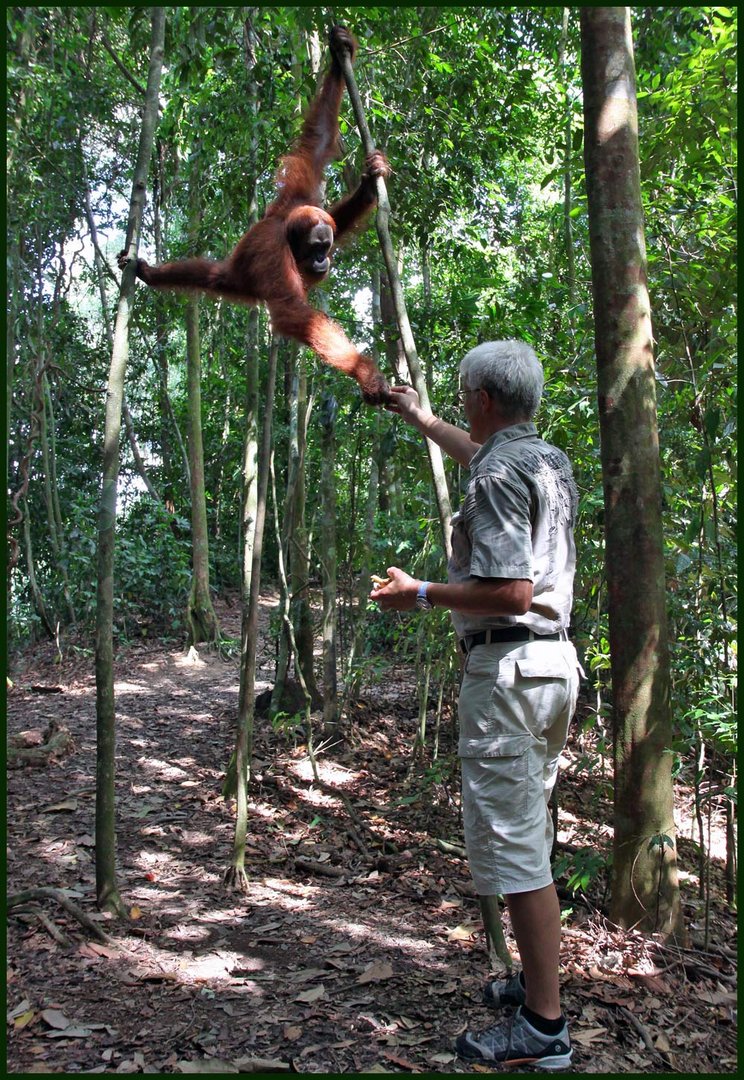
516,521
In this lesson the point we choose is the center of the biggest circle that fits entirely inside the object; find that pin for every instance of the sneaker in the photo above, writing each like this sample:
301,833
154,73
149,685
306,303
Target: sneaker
516,1042
502,992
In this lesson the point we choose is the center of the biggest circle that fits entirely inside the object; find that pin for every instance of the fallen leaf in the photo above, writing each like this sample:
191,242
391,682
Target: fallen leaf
308,996
249,1064
404,1064
135,912
24,1019
103,950
67,804
587,1036
376,972
55,1018
20,1008
206,1065
70,1033
463,932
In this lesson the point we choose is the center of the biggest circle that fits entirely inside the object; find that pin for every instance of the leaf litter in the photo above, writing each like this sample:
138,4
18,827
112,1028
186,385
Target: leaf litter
375,969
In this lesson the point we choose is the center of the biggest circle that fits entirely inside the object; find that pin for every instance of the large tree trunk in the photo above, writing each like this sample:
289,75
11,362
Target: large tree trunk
645,888
106,887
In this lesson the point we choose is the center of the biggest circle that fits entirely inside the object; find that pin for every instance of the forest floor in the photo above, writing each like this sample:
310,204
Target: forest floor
358,947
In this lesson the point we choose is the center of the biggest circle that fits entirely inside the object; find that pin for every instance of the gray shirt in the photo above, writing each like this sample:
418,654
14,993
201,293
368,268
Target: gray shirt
516,521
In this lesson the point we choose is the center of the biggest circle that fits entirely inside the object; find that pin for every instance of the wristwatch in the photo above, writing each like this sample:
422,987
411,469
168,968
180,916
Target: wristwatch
423,603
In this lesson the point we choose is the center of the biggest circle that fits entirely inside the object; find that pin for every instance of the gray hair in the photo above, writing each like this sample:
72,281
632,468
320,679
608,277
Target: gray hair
510,372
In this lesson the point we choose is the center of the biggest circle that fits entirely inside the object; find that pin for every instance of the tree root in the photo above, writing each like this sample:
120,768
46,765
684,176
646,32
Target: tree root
44,893
235,878
311,866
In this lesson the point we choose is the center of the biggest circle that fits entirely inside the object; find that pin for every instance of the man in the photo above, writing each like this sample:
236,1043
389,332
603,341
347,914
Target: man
510,588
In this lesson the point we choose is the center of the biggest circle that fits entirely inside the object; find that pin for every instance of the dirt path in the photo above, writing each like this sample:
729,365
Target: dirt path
358,947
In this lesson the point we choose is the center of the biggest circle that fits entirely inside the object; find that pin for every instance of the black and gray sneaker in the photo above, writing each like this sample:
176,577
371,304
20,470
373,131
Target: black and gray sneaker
502,992
515,1042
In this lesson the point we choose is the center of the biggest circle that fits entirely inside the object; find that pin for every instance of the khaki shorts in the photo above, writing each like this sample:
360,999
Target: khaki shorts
515,705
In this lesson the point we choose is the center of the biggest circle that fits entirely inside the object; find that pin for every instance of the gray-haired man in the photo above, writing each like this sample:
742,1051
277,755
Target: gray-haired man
510,589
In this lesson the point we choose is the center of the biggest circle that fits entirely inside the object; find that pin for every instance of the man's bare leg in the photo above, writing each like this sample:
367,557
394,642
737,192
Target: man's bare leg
536,921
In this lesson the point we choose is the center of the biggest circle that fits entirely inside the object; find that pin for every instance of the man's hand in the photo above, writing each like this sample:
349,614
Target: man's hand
400,593
404,401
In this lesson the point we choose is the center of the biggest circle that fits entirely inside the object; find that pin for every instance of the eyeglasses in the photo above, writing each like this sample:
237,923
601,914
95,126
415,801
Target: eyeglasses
468,390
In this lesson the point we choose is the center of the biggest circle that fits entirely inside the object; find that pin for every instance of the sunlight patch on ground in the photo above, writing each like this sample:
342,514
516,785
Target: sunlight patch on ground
293,897
131,688
194,837
164,769
315,797
328,771
387,941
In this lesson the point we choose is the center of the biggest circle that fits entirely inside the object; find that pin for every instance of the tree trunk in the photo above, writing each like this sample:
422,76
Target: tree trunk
201,618
36,597
328,560
106,886
255,478
202,621
645,889
299,549
567,199
61,548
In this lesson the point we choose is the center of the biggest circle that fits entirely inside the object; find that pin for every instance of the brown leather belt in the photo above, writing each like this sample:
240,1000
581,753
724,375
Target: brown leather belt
506,633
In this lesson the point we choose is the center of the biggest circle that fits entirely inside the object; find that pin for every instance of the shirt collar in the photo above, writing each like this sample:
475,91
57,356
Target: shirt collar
507,434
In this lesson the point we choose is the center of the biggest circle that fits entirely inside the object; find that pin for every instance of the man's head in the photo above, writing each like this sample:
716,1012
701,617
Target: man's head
509,372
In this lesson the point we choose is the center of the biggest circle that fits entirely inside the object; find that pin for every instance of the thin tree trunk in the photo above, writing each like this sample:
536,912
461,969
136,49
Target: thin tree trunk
328,560
37,599
61,550
235,875
354,666
299,557
106,886
202,620
645,889
253,518
139,461
288,522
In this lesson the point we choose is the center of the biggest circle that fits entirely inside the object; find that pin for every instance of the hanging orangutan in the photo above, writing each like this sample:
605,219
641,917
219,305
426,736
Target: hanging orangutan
288,252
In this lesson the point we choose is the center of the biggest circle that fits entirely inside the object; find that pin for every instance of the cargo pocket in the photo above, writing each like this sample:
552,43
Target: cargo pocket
543,667
495,779
545,686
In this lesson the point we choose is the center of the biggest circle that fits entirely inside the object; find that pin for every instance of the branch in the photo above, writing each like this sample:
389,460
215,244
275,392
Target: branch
121,66
45,893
